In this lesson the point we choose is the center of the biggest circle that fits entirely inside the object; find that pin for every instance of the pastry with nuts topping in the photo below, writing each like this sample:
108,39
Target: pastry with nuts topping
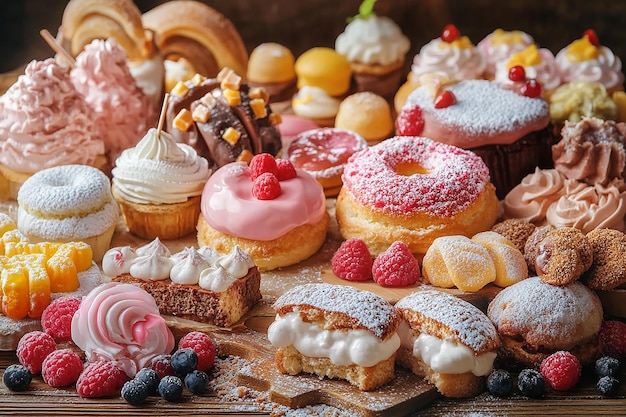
224,119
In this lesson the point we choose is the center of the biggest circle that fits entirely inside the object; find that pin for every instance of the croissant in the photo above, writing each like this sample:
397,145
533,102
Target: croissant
199,34
86,20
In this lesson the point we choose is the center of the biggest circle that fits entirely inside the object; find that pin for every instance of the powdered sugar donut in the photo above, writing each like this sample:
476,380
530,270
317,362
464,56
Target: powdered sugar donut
414,189
68,203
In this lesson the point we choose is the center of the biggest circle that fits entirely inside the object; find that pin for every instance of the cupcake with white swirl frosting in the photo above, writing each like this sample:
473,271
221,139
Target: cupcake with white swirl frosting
158,185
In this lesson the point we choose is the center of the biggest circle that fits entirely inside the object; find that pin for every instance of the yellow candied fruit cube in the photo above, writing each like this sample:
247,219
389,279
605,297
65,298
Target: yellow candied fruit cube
15,293
48,249
259,92
208,100
80,253
180,89
232,97
63,274
6,224
245,156
15,243
224,73
231,135
39,290
275,119
258,107
201,114
183,120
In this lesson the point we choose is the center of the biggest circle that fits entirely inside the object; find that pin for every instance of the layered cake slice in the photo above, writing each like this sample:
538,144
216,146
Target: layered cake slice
195,284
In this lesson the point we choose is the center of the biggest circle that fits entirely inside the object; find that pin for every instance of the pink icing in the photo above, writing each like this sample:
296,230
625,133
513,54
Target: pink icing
290,126
546,72
606,69
121,323
124,112
45,122
453,180
484,114
324,152
229,206
496,52
457,63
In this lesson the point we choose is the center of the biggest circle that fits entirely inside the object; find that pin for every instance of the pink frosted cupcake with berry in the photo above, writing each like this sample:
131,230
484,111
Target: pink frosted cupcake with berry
451,55
538,64
500,45
271,210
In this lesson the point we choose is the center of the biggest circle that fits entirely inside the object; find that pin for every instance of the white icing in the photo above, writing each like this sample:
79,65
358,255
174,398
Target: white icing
314,103
151,267
236,263
156,246
209,254
342,347
187,266
149,76
445,356
117,261
215,278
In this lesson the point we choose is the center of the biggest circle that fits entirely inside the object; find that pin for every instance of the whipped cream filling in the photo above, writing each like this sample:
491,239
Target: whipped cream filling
190,266
314,103
342,347
445,356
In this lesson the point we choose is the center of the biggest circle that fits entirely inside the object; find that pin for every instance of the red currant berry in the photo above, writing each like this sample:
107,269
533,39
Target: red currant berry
532,89
445,99
450,33
517,73
592,36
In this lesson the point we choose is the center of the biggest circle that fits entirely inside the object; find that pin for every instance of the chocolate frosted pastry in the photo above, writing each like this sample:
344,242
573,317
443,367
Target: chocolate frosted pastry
223,119
591,150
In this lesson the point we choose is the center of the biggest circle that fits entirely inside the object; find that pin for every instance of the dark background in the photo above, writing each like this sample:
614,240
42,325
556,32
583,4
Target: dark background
302,24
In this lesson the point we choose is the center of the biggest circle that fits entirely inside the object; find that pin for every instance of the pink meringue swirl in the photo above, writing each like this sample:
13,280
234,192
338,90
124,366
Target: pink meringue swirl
531,198
121,323
457,63
590,207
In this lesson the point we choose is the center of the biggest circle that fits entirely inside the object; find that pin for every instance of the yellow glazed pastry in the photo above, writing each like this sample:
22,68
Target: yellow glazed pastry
272,66
325,68
367,114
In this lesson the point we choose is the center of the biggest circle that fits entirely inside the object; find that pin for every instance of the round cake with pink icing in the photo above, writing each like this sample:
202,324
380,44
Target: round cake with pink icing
276,214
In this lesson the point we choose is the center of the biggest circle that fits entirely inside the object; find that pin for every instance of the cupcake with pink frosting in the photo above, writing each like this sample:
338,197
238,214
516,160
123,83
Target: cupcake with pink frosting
123,111
500,45
585,59
538,64
121,323
44,122
451,55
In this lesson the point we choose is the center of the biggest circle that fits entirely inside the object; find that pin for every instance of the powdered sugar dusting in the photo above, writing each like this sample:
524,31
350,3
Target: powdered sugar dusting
453,180
547,314
483,108
472,327
369,310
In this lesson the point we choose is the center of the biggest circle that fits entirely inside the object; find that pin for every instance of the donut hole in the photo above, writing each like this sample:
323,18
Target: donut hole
407,169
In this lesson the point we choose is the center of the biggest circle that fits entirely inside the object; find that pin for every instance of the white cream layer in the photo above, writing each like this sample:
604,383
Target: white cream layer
342,347
445,356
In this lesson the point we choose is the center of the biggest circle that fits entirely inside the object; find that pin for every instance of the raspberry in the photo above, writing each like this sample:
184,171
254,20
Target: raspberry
608,386
262,163
613,336
184,361
203,345
101,379
286,170
162,364
530,382
61,368
197,381
33,348
396,266
561,370
56,319
352,261
135,392
171,388
266,186
607,366
500,383
17,377
410,122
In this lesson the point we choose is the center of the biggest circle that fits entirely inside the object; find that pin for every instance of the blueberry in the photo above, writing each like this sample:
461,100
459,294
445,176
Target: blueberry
197,381
530,383
135,392
608,386
17,377
607,366
500,383
184,361
151,378
171,388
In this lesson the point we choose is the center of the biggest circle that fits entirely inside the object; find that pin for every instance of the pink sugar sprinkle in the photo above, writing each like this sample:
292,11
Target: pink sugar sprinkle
454,180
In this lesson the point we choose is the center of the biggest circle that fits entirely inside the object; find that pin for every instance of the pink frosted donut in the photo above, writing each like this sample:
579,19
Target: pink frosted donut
414,189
